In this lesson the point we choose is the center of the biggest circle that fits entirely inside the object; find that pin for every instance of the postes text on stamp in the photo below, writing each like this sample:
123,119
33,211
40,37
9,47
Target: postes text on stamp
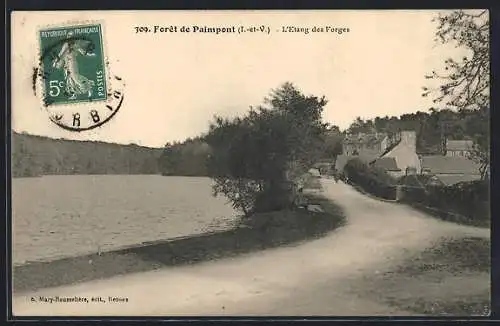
75,85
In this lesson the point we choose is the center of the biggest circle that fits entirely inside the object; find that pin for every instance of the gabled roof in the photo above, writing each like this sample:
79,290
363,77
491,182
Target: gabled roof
368,154
387,164
438,164
363,138
459,145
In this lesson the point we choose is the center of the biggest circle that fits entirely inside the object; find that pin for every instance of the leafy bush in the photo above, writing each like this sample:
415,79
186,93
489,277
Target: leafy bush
469,200
415,190
255,160
242,193
188,158
373,180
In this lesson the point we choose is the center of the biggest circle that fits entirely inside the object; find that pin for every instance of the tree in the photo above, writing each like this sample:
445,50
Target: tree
333,143
478,127
187,158
257,159
358,126
465,83
36,155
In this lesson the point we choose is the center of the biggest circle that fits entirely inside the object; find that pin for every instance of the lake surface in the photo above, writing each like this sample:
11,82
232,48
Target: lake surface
61,216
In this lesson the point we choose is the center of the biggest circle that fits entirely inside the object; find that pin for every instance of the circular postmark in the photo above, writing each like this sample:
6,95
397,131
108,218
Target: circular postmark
73,80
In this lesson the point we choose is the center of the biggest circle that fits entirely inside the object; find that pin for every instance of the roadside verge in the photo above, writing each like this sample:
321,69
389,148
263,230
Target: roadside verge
261,232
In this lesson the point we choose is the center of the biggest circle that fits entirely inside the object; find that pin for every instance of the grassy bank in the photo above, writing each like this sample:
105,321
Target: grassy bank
451,278
261,232
450,216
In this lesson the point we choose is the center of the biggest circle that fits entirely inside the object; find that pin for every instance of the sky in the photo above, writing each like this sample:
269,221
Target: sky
176,82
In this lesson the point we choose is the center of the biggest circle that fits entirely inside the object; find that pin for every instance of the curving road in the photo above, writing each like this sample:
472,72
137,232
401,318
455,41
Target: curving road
319,277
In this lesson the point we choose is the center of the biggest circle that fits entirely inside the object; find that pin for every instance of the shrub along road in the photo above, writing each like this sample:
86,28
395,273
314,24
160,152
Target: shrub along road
387,259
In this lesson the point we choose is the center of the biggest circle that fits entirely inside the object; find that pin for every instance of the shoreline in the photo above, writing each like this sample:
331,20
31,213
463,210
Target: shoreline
267,231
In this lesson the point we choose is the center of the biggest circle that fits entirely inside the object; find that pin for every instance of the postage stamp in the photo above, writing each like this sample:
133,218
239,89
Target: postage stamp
73,79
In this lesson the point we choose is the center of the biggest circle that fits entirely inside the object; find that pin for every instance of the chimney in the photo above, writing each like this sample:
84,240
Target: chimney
409,139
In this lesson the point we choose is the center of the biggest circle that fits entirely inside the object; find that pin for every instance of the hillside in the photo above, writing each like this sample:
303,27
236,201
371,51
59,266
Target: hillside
36,155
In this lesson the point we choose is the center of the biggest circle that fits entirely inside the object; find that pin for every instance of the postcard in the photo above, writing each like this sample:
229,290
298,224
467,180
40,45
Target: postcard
250,163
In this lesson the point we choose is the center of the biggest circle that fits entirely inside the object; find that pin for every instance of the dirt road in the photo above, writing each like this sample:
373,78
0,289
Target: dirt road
334,275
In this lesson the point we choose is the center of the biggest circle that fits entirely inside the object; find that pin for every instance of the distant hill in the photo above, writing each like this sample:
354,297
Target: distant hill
36,155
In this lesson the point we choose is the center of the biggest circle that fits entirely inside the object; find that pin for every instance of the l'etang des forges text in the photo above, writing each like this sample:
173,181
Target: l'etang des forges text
232,29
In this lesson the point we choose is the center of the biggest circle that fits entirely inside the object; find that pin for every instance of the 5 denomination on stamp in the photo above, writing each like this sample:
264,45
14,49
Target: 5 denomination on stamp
73,80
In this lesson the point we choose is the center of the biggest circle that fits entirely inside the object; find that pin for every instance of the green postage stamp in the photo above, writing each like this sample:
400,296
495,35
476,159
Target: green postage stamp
76,63
74,81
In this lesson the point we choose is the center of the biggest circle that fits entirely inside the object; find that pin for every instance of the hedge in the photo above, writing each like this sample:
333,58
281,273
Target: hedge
372,180
469,201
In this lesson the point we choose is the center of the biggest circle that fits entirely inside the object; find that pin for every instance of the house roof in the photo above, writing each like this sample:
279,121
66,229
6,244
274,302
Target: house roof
438,164
368,154
459,145
387,164
362,138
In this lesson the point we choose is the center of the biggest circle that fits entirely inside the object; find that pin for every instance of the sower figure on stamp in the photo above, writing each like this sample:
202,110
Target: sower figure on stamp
76,84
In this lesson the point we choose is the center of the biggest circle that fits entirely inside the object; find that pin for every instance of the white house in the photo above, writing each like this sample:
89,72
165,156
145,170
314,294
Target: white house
405,154
459,148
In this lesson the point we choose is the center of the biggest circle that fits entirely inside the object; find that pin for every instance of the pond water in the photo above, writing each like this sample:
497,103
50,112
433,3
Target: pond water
60,216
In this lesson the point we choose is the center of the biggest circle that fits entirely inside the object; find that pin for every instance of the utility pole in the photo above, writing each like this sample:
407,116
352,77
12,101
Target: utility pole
444,124
443,141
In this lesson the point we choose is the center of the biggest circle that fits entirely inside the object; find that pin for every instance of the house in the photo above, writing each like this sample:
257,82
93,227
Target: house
450,170
404,153
400,158
355,143
458,147
396,153
341,161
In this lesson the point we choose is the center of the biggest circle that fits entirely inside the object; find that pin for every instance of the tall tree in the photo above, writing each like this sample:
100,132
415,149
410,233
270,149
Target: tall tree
333,143
257,158
465,83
